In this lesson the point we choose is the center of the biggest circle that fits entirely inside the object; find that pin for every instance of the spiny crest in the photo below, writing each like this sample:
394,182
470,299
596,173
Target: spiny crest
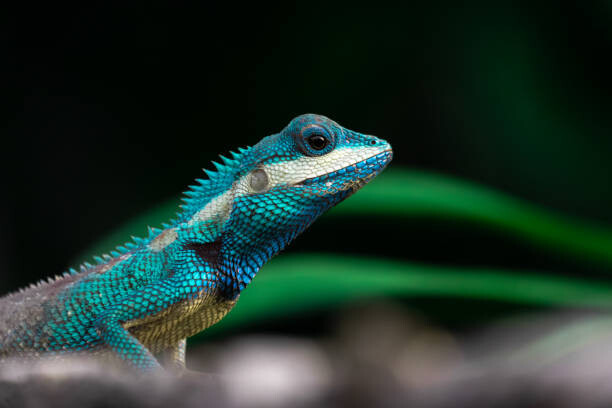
43,282
197,196
216,184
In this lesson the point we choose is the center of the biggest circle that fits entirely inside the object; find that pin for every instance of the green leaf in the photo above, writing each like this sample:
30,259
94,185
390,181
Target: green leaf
402,193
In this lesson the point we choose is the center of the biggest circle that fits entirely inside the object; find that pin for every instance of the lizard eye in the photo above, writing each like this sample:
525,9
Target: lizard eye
315,140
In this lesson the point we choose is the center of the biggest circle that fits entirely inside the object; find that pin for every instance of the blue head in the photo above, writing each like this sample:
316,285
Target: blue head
266,195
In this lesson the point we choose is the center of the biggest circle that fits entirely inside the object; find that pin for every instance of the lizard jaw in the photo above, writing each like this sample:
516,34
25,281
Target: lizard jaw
358,174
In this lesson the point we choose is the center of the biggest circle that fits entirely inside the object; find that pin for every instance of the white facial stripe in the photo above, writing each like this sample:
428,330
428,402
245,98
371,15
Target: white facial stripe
296,171
163,240
285,173
219,208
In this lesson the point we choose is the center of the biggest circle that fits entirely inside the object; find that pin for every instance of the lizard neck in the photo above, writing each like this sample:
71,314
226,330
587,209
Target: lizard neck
243,254
249,238
235,258
240,260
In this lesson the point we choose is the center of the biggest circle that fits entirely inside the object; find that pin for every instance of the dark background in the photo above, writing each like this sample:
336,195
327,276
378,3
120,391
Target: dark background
114,109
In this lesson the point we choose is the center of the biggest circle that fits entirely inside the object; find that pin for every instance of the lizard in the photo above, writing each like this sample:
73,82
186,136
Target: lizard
139,304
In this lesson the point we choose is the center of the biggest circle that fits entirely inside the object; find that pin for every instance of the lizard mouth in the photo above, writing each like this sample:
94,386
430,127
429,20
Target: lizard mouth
355,175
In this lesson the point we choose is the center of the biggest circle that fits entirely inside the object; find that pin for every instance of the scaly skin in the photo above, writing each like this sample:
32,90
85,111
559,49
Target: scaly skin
142,302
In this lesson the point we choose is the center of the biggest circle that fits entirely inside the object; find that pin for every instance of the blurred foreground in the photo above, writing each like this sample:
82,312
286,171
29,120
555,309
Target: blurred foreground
379,355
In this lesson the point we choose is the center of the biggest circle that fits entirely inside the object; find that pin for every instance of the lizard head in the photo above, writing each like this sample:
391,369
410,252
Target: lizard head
267,194
317,159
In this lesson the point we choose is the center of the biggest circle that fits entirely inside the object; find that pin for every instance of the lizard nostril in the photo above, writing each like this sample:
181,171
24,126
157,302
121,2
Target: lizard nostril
373,142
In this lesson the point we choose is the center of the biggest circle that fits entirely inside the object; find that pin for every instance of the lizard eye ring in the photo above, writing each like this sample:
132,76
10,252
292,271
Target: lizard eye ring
315,140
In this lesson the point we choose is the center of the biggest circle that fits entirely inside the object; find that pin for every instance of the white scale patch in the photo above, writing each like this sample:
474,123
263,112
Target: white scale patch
306,167
217,208
163,240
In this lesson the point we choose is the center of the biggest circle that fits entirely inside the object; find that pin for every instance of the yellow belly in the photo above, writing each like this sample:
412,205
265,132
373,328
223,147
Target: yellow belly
165,329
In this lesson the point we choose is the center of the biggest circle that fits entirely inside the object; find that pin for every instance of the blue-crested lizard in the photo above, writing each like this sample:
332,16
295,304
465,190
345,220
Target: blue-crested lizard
142,301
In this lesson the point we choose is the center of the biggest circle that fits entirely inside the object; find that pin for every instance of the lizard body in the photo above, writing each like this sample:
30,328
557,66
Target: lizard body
142,301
